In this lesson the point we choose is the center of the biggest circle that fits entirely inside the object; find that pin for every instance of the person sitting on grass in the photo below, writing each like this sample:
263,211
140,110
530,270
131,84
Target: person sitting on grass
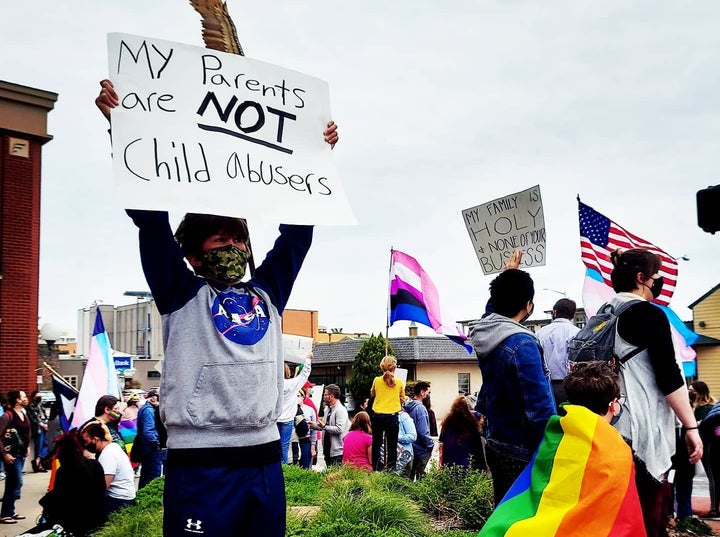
358,443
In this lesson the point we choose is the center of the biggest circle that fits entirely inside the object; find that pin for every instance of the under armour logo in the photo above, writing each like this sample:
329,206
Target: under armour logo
194,526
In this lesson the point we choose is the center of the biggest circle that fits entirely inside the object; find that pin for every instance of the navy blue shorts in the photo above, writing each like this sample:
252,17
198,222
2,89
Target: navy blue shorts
222,501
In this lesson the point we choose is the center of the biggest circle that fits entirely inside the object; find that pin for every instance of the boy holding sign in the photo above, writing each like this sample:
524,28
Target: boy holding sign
223,373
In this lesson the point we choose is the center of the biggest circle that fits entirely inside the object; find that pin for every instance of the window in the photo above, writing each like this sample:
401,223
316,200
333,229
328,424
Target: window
152,374
464,383
72,380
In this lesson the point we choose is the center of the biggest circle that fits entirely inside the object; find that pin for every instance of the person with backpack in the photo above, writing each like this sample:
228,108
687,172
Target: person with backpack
14,441
652,381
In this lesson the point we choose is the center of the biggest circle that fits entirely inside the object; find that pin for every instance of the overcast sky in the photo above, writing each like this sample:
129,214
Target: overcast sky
441,106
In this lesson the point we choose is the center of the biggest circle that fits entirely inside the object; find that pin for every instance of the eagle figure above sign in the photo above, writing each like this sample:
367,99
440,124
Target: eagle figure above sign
219,31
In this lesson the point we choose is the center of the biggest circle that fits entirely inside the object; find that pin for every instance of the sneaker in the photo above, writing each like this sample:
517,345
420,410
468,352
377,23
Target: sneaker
693,525
2,476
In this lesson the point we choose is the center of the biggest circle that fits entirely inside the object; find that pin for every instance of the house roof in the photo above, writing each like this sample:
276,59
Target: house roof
706,340
410,349
710,292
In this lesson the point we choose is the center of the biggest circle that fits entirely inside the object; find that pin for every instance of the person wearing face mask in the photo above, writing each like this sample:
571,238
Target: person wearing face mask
119,475
652,381
108,410
223,374
516,395
581,478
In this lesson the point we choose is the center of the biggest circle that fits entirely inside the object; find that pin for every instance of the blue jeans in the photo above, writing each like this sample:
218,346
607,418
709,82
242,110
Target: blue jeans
13,484
224,501
305,458
113,504
151,468
40,445
285,428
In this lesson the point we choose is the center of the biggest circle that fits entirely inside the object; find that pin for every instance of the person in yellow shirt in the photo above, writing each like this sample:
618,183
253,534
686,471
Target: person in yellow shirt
389,394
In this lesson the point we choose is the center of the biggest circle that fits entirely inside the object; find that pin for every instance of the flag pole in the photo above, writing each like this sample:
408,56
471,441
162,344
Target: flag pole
387,311
58,375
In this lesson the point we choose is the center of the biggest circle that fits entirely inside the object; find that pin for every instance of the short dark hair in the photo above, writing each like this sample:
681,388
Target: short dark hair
104,402
593,385
334,390
565,308
628,264
510,292
95,429
196,228
420,386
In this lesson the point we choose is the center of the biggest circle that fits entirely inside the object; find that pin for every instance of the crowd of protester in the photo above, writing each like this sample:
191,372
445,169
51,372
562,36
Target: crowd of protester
530,392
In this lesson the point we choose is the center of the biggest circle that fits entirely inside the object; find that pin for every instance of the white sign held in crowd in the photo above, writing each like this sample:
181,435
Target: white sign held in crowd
499,226
204,131
296,348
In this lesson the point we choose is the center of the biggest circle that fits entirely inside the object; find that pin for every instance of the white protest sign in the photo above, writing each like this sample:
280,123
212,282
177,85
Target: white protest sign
401,374
204,131
499,226
296,348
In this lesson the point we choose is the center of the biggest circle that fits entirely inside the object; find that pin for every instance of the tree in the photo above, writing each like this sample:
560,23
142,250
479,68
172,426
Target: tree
367,366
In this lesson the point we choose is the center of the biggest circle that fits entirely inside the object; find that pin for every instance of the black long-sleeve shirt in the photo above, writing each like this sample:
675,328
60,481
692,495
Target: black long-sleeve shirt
646,326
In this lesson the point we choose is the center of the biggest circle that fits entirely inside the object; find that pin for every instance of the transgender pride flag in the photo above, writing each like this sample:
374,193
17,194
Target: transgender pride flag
414,297
100,377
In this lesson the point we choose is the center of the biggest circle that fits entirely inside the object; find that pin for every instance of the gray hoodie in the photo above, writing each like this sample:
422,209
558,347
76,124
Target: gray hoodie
487,333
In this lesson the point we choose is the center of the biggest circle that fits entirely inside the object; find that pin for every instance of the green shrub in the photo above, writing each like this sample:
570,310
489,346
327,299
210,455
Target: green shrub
143,519
367,504
352,503
302,487
461,498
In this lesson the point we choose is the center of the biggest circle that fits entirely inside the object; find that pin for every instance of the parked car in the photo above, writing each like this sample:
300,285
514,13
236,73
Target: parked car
48,397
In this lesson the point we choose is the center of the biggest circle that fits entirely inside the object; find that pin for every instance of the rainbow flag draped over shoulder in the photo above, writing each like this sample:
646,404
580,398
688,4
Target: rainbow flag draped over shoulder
581,482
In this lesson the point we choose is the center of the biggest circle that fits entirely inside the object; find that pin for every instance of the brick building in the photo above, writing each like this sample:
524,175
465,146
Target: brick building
23,132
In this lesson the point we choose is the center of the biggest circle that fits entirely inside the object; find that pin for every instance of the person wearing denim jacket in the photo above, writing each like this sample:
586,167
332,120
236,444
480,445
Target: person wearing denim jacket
516,395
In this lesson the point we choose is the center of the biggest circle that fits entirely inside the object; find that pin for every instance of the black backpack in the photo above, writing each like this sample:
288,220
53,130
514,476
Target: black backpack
596,340
301,425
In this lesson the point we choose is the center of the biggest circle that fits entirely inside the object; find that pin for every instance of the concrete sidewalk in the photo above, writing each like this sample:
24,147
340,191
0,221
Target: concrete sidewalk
34,488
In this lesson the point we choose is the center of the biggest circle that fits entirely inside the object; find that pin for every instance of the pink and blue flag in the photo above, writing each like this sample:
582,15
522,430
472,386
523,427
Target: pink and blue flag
414,297
100,377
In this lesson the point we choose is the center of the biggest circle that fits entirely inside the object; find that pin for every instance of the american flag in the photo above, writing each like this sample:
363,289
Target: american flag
599,236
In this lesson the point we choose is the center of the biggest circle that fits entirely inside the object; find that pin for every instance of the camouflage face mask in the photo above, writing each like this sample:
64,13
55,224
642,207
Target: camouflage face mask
226,264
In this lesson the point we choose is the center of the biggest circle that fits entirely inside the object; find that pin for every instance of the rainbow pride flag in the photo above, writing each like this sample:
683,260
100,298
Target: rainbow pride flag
581,482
